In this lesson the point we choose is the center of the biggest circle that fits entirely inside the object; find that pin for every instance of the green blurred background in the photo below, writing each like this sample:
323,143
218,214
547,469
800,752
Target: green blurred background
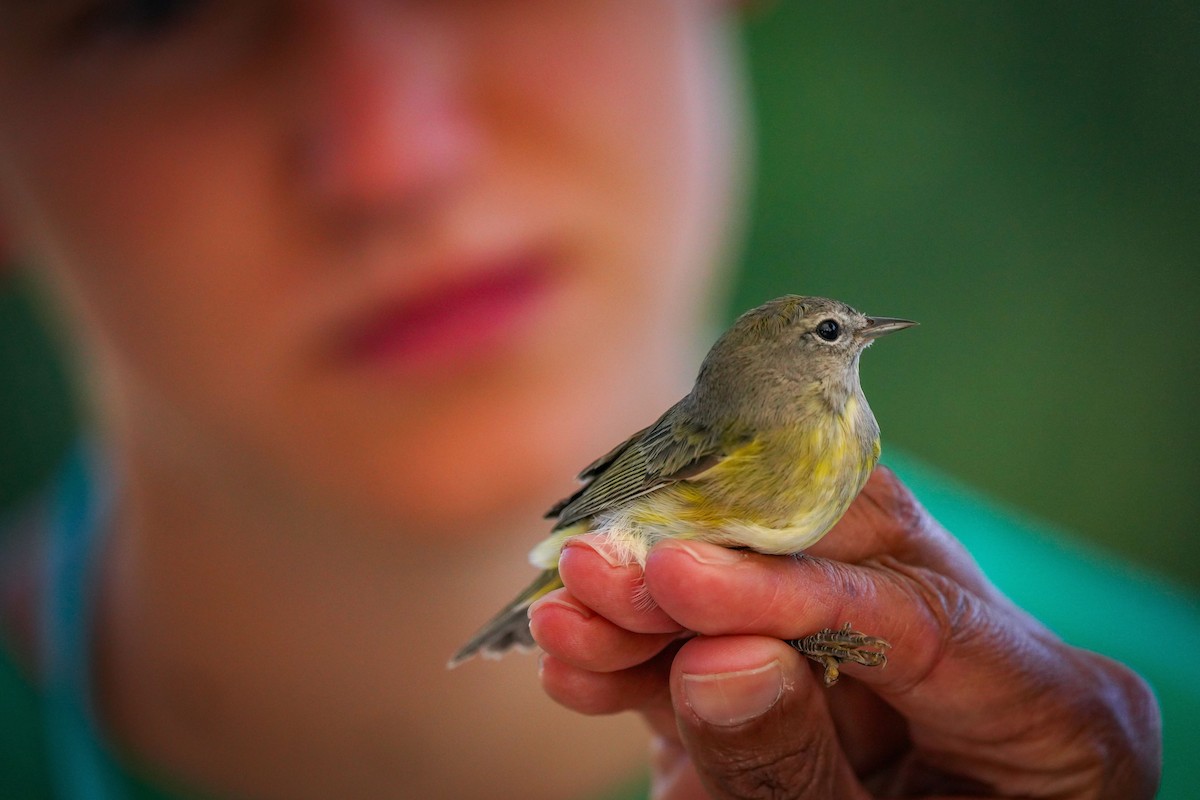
1021,177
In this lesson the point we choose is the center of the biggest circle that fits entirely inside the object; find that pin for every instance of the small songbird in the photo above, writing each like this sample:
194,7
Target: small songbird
766,452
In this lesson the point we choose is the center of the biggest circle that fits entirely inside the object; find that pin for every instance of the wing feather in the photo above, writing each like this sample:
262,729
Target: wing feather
596,467
672,449
593,469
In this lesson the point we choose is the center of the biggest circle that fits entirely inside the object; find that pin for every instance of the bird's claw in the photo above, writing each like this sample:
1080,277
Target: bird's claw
830,648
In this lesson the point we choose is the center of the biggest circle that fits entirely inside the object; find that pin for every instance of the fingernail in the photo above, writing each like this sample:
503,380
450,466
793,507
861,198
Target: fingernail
710,554
600,548
555,600
731,698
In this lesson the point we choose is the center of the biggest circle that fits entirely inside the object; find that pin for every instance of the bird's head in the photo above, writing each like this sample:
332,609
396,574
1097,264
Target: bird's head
794,344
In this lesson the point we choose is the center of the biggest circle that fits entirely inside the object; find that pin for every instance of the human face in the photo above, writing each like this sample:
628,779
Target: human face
418,258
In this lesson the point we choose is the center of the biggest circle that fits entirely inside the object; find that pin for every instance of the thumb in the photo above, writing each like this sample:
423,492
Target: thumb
756,723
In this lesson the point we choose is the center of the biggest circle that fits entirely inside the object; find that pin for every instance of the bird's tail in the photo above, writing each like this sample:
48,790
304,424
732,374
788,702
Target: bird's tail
510,628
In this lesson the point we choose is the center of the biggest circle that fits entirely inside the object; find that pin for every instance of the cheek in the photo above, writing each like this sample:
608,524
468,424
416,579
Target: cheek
151,228
634,110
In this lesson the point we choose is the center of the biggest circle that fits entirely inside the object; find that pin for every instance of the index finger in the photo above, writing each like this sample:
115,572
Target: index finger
940,633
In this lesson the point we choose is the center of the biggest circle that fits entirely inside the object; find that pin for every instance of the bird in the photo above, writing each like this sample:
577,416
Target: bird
766,452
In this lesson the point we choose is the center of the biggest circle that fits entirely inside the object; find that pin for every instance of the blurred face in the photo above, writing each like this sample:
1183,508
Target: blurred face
422,258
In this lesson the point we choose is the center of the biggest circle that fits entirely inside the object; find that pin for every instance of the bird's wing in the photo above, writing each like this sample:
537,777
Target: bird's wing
672,449
600,464
589,473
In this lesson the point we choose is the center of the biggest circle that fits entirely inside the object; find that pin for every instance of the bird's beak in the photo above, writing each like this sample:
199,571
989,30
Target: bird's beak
882,326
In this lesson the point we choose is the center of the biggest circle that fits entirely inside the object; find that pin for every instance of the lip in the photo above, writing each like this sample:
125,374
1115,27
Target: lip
484,305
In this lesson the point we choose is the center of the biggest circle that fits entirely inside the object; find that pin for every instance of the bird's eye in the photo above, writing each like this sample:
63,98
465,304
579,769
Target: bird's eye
829,330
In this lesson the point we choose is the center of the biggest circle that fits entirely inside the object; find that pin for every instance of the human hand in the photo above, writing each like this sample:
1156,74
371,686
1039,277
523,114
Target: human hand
978,699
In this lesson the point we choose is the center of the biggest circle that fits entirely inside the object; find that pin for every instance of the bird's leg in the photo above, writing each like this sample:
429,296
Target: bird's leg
830,648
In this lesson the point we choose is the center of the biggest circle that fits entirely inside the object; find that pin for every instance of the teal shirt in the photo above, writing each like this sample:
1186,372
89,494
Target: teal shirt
48,739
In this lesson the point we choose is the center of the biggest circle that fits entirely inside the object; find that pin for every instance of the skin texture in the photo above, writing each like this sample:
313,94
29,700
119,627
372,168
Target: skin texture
215,204
978,699
218,211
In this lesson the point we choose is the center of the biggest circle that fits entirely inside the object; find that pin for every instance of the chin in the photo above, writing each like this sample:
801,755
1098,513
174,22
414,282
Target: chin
482,476
473,462
459,493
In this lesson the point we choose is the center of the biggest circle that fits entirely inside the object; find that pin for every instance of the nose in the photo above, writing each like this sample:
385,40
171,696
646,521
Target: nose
384,118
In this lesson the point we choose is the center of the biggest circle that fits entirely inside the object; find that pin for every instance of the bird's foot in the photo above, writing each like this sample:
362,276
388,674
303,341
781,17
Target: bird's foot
830,648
